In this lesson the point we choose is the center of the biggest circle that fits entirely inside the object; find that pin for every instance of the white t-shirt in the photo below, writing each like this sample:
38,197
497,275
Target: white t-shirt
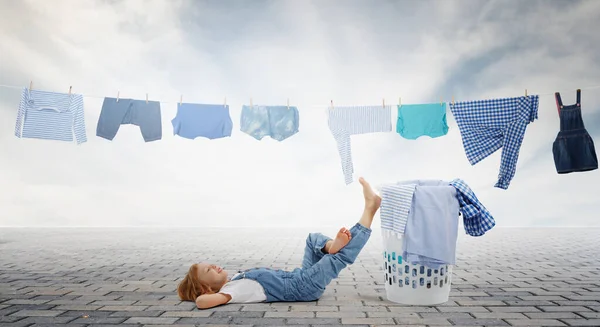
244,291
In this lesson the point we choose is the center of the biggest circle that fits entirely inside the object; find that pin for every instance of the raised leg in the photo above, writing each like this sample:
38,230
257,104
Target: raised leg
320,274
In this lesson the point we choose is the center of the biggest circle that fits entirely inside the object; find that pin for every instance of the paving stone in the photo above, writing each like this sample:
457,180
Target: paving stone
99,320
423,321
286,314
150,320
76,313
37,313
6,319
564,308
477,321
535,322
243,314
123,308
346,314
582,322
514,309
15,324
312,321
188,314
258,321
556,315
368,321
204,321
47,320
588,315
130,276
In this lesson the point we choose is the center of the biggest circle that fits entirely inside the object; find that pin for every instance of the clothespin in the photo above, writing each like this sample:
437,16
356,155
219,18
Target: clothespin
441,101
118,96
30,85
453,100
225,102
181,100
146,98
70,88
400,101
250,102
383,102
525,92
288,103
331,104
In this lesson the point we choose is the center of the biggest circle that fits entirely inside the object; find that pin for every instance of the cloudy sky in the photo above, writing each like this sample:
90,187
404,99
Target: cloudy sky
310,52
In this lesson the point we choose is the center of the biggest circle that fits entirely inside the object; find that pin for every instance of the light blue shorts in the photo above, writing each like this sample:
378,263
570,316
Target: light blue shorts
278,122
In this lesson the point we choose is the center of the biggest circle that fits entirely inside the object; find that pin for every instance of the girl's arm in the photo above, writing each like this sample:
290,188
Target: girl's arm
206,301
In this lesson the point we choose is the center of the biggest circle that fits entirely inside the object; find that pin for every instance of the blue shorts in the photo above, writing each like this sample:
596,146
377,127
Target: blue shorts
278,122
202,120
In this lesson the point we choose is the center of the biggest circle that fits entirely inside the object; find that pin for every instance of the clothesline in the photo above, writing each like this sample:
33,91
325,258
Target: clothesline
313,106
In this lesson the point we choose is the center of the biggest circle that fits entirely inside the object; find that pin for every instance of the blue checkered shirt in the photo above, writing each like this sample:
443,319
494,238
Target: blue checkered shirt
488,125
476,218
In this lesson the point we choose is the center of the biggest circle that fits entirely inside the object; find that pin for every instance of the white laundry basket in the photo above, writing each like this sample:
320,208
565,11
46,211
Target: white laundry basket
412,284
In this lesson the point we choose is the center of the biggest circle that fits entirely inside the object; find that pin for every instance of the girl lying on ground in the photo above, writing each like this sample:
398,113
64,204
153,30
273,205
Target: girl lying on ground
209,286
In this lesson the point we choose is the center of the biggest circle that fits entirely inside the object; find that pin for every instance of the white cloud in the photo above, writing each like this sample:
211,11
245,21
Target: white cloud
309,52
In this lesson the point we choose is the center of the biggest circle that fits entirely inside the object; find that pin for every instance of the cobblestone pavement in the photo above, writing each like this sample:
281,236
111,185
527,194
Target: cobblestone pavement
111,276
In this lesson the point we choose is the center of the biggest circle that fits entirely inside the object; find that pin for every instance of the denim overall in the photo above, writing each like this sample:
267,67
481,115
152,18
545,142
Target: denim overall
573,148
318,269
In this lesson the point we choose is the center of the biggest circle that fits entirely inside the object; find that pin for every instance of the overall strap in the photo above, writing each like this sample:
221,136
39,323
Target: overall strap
559,103
579,97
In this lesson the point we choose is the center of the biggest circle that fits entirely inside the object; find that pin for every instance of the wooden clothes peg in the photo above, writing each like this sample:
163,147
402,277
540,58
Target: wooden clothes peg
383,100
146,98
181,100
288,104
70,88
30,85
118,96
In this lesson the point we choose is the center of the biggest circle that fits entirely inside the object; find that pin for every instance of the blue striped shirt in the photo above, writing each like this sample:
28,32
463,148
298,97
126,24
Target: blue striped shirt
346,121
51,116
396,201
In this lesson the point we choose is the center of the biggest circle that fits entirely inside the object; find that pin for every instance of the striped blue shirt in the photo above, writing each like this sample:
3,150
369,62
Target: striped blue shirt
396,201
347,121
51,116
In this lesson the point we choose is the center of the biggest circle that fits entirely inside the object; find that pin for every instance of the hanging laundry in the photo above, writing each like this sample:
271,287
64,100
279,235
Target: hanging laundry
396,201
211,121
278,122
477,220
417,120
488,125
144,114
347,121
573,147
432,226
51,116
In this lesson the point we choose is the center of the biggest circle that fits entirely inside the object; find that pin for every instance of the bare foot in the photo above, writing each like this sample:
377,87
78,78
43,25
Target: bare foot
341,239
372,200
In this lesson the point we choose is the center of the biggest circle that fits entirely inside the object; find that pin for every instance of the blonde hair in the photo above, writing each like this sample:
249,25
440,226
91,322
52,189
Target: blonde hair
191,286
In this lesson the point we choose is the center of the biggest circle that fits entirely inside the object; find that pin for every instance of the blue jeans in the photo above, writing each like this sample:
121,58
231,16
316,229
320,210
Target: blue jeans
319,269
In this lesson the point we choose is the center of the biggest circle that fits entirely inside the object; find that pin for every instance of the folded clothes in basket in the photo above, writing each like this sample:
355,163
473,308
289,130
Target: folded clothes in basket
432,227
430,220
